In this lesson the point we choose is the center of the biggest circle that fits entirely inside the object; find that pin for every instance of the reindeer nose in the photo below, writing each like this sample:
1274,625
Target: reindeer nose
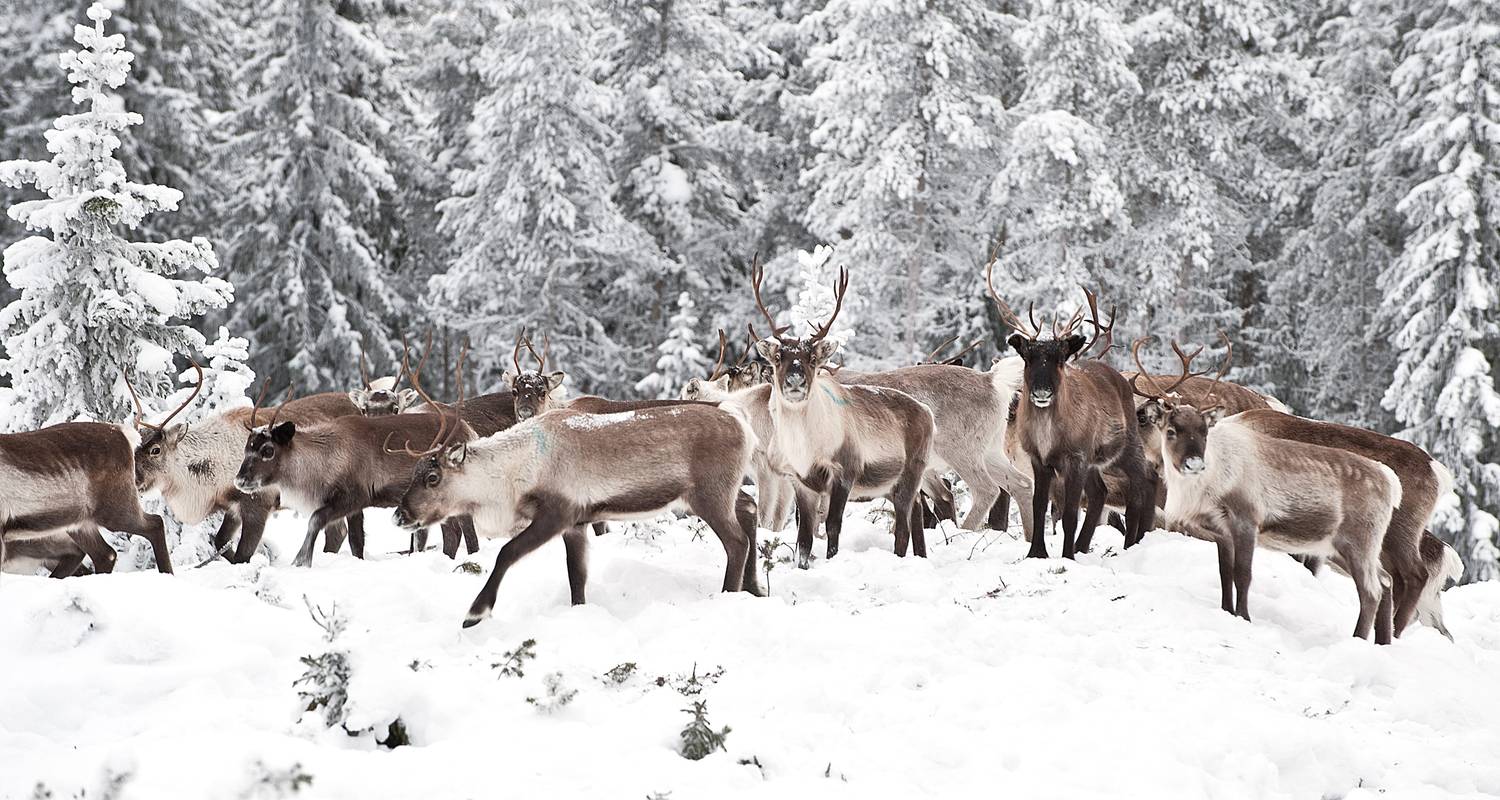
1192,465
794,379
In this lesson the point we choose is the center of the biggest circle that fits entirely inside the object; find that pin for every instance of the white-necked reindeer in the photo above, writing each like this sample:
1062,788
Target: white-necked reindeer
860,441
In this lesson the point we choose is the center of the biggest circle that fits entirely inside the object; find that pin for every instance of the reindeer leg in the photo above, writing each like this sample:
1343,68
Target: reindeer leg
452,530
227,529
68,562
1072,498
356,524
253,514
1364,568
548,522
1385,613
471,536
999,516
576,543
745,513
320,519
334,536
807,524
1095,494
1226,572
903,499
91,542
837,497
1244,554
1041,476
723,517
127,517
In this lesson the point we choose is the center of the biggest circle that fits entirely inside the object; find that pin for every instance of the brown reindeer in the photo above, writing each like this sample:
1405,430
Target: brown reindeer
741,375
63,483
1230,483
556,472
1076,420
861,441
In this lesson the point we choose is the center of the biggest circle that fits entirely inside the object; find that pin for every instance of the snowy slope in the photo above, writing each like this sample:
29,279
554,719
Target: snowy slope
975,673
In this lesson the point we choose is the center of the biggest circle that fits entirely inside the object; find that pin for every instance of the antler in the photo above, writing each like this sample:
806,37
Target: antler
416,383
840,288
1006,314
719,363
1162,394
957,358
515,355
439,440
541,359
140,412
932,356
758,273
1106,330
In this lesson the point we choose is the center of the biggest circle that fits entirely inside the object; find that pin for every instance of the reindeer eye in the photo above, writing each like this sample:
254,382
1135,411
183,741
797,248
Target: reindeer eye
156,450
1171,433
267,452
433,478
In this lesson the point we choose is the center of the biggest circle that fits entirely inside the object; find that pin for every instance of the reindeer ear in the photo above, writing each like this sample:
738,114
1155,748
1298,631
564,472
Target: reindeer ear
510,378
358,397
555,380
1076,343
406,399
175,433
1211,416
456,454
1150,414
825,350
283,433
769,349
766,373
721,383
1018,343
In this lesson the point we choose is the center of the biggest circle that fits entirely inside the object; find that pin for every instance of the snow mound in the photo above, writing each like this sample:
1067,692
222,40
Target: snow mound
972,672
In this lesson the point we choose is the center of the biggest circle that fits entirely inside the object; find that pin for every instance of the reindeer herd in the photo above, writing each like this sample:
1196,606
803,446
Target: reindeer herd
1054,426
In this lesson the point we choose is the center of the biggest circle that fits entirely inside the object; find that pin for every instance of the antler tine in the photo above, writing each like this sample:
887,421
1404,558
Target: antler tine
459,379
1067,330
405,447
749,347
932,356
255,409
757,274
416,383
364,371
515,355
719,362
284,401
1141,372
1007,316
1107,330
957,358
840,288
197,387
140,411
540,358
1213,390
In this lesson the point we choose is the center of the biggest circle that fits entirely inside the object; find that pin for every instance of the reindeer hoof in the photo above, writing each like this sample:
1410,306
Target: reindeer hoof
471,622
832,551
804,562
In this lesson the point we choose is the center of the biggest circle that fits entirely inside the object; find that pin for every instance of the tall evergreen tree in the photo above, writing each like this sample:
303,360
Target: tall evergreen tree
541,241
1443,292
95,306
310,174
681,358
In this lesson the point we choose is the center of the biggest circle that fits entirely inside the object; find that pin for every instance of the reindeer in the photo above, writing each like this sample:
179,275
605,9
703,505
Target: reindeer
383,395
1423,482
193,467
1076,420
723,381
65,482
865,441
1233,484
556,472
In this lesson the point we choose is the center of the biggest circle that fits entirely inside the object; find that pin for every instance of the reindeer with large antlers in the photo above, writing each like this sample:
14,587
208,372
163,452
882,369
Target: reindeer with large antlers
556,472
65,482
1075,420
1235,483
722,381
847,440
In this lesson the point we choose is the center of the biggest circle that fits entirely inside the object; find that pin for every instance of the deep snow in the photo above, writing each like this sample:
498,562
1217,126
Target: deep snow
975,673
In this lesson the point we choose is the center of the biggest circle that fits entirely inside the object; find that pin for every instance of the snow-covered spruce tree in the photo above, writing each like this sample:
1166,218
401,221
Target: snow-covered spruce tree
1327,346
94,305
1443,292
541,241
813,304
681,69
681,358
31,90
310,173
905,127
1059,191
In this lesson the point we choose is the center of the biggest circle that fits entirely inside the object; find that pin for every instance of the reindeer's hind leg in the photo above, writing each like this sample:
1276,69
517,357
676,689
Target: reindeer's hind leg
716,501
548,521
838,497
745,513
89,541
334,536
459,528
1095,493
356,524
227,529
1364,568
125,515
1073,480
999,517
1244,556
576,543
903,498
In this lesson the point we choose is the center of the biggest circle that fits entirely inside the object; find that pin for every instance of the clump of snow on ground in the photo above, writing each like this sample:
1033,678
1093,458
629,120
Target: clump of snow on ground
974,673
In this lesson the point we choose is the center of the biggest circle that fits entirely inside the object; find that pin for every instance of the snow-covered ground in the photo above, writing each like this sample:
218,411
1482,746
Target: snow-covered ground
975,673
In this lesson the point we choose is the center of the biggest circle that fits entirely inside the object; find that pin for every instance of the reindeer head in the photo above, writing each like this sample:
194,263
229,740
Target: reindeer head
533,390
428,498
266,449
382,396
796,362
743,374
1047,359
1176,431
158,441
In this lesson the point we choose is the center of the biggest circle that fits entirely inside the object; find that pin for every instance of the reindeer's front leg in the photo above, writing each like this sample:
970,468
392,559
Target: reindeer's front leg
227,529
807,523
320,519
576,544
838,496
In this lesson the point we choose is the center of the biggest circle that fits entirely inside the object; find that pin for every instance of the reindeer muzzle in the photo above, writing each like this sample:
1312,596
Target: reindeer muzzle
1041,399
247,486
1193,465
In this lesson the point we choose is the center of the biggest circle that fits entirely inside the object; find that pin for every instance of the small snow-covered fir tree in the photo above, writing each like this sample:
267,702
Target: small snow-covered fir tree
681,359
93,304
1443,292
816,277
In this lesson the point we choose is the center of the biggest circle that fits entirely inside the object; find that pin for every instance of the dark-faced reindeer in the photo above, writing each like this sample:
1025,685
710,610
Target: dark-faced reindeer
555,473
1423,482
736,377
534,391
65,482
1075,420
860,441
193,466
1236,486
